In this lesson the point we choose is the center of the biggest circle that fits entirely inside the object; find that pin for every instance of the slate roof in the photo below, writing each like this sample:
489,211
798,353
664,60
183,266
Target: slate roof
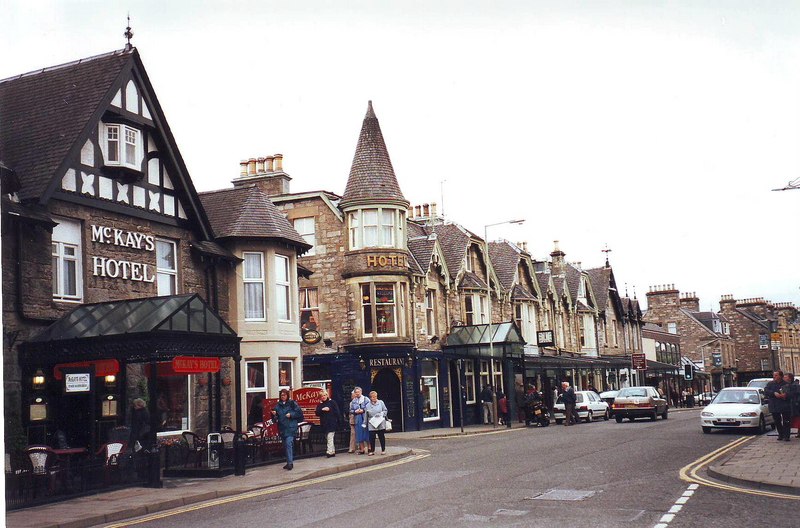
454,241
601,282
693,317
505,259
544,281
471,280
421,248
521,293
372,177
44,112
573,277
754,317
247,212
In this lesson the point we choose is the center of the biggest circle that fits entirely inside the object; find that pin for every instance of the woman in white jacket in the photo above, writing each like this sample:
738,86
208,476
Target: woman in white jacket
375,418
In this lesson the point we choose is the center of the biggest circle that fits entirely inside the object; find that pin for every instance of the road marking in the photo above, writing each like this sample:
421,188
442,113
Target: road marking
689,473
268,491
668,517
469,435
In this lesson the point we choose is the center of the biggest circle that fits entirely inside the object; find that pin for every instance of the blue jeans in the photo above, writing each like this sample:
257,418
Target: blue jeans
288,443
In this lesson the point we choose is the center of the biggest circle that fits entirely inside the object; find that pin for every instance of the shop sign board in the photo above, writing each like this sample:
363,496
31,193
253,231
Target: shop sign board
545,338
77,382
308,398
639,361
195,365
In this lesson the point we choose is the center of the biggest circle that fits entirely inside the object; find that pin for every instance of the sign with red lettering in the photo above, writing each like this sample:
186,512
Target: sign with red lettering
308,398
102,367
195,365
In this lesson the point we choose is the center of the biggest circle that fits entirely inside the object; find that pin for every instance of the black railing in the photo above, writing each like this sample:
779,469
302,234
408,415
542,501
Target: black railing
69,476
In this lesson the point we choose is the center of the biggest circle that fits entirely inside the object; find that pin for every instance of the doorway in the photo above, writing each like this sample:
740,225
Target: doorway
386,382
457,395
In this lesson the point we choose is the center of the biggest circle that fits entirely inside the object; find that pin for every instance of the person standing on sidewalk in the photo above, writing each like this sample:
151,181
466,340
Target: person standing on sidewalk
357,409
375,415
790,394
486,398
328,412
778,405
569,399
502,409
287,413
352,419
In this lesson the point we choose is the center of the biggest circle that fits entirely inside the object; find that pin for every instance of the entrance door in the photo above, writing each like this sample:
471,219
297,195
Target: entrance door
387,384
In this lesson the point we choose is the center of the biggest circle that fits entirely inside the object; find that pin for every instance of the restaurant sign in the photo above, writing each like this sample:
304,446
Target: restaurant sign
195,365
102,367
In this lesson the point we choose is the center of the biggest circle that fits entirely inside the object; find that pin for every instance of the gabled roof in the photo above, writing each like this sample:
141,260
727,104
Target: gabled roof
521,293
471,280
372,177
454,241
544,282
601,283
505,259
422,248
247,212
693,317
45,112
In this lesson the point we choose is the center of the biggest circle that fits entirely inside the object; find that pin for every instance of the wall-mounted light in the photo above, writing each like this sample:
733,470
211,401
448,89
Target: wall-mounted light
362,363
409,362
328,342
38,379
111,380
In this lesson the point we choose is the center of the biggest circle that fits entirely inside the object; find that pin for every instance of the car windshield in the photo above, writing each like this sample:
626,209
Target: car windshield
737,396
632,393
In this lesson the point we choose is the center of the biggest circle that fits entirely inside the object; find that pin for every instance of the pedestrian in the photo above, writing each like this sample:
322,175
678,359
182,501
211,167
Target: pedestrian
531,399
690,398
287,413
793,392
568,397
486,398
256,414
140,426
502,409
375,415
329,417
684,397
519,396
778,405
352,419
357,405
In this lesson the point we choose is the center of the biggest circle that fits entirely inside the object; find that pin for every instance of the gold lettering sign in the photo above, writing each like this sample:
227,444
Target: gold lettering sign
376,261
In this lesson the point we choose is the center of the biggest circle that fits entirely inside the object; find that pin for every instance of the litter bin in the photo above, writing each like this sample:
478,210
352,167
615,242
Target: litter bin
215,448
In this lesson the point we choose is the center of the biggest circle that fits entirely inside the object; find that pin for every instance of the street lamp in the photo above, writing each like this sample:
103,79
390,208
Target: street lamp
489,297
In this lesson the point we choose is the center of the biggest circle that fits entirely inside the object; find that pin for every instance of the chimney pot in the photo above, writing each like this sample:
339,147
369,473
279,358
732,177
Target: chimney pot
426,210
243,168
260,166
251,166
278,162
433,210
268,163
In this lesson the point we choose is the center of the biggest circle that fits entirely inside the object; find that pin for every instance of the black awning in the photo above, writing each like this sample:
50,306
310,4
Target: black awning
136,330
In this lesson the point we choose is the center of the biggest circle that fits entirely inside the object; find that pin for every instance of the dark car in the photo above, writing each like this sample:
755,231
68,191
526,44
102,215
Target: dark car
639,402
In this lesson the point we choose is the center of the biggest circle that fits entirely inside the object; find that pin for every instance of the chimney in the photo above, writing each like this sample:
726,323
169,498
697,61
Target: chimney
251,167
663,296
690,301
558,259
433,210
243,168
266,172
426,212
260,165
278,162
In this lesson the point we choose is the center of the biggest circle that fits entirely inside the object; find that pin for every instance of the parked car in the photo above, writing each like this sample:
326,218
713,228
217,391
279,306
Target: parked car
705,398
758,383
608,397
587,403
639,402
737,407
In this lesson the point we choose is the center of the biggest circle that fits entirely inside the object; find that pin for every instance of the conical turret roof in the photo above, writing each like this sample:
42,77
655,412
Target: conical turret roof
372,177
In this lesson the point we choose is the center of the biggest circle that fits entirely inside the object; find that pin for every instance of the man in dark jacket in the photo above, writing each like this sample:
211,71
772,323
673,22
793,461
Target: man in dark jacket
778,405
287,414
329,420
568,397
487,396
531,399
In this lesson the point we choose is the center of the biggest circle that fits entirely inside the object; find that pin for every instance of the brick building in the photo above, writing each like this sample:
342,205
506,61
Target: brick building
110,268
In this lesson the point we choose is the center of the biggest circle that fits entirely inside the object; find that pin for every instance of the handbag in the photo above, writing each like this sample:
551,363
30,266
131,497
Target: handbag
388,425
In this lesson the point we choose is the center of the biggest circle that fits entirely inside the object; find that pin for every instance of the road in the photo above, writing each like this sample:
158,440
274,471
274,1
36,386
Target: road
628,474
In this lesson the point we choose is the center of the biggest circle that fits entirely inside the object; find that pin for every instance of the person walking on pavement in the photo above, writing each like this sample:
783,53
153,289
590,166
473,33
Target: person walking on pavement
328,412
793,391
778,405
502,409
568,397
357,409
789,393
375,415
519,396
287,413
531,399
486,398
352,419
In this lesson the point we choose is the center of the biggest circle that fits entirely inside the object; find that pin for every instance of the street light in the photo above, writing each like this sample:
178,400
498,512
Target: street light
489,299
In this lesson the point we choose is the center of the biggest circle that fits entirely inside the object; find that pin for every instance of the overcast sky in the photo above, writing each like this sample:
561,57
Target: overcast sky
657,128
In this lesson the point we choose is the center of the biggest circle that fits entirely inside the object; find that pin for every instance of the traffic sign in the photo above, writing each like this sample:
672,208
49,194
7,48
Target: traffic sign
639,361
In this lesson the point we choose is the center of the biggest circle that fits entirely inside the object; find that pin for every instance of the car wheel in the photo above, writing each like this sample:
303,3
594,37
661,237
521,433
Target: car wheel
588,418
618,419
762,425
666,414
606,415
706,430
631,418
653,416
559,421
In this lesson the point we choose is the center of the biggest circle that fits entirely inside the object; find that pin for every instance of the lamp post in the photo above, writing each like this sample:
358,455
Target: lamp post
489,301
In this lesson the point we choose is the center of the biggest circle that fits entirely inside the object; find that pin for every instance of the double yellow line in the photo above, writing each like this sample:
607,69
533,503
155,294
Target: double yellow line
689,473
268,491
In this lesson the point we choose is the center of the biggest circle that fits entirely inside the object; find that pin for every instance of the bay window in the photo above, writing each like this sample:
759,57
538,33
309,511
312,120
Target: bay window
255,381
254,309
377,227
379,309
282,287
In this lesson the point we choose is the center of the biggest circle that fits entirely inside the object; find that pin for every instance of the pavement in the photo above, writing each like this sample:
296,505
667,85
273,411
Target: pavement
763,463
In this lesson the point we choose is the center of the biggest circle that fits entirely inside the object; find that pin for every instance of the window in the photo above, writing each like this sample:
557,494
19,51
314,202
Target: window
525,315
255,381
469,310
726,328
123,146
469,380
66,254
430,311
475,309
285,376
582,330
306,229
254,309
765,364
173,401
429,387
309,308
374,228
497,373
383,322
484,373
166,267
468,261
672,328
282,287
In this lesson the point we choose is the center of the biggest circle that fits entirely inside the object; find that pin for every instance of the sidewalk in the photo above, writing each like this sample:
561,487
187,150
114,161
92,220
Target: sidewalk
763,463
123,504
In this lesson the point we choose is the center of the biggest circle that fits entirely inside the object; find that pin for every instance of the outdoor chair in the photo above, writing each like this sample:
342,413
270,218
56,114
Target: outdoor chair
44,467
195,447
256,441
303,437
228,436
111,455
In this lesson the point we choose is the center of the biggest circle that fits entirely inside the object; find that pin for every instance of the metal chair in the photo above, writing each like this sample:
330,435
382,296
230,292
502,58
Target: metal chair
111,454
195,446
304,437
43,467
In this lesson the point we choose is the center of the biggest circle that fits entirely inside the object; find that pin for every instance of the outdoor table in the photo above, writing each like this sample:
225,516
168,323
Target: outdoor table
66,455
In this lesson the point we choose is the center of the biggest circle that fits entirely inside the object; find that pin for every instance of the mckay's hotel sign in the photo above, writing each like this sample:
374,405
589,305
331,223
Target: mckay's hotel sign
122,269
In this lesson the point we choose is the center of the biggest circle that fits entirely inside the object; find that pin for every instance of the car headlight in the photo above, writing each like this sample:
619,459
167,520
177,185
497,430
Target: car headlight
707,414
751,414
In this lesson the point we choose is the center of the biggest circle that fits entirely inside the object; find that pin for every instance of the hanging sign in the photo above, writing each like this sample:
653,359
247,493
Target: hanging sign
639,361
195,365
545,338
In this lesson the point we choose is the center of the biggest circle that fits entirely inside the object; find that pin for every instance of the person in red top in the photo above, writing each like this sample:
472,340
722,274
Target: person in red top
502,409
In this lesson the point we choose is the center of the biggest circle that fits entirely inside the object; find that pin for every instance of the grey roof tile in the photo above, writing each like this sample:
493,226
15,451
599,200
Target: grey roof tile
505,259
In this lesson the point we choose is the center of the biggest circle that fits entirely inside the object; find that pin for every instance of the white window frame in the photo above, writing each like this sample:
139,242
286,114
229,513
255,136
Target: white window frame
123,133
469,309
258,390
254,280
306,228
672,328
430,311
497,374
469,380
67,235
283,288
357,225
373,304
435,378
484,372
172,273
468,260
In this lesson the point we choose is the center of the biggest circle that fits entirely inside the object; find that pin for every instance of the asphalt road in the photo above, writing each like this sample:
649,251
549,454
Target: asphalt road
626,473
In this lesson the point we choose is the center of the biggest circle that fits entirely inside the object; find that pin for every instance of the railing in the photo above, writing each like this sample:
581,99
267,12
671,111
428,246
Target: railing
69,476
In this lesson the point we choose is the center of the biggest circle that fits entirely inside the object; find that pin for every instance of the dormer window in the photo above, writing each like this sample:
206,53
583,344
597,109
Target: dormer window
123,146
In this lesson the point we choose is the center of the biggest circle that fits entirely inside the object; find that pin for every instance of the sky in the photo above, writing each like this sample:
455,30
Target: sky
656,129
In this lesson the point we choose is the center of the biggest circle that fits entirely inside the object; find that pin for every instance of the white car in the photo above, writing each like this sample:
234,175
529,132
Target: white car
587,403
737,407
